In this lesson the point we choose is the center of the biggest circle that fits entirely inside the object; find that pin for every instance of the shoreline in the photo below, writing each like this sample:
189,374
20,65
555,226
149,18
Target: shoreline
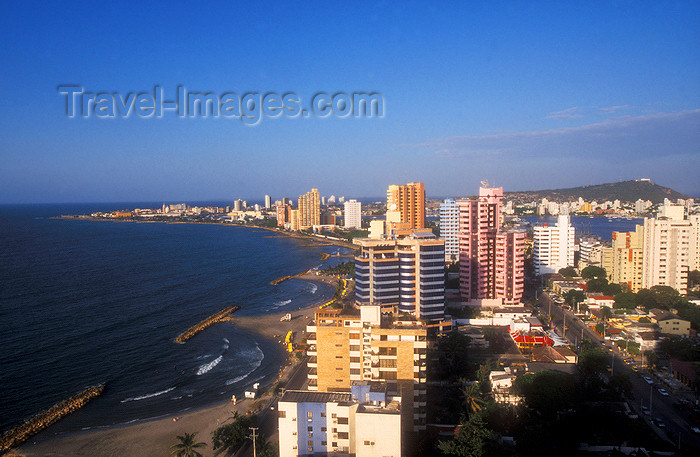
154,436
320,241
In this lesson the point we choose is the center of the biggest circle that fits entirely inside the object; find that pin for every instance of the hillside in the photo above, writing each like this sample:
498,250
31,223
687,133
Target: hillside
623,191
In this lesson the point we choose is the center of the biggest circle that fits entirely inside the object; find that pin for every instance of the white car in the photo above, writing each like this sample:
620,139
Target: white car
648,379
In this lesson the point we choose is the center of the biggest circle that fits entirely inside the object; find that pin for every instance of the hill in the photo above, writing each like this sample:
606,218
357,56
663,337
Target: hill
625,191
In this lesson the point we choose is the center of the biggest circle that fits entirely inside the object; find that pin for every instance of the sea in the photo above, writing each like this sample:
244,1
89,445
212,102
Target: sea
87,302
597,226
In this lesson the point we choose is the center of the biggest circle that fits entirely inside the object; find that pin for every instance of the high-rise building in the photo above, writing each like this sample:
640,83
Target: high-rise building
294,220
268,202
238,205
353,214
351,345
405,275
491,262
449,229
309,209
667,253
409,201
553,246
623,261
284,215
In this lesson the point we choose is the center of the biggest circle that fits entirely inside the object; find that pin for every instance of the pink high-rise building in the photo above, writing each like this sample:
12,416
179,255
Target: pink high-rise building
491,261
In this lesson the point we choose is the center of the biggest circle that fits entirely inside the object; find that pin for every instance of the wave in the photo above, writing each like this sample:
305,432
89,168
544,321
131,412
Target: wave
206,368
143,397
226,341
205,356
314,288
279,304
255,366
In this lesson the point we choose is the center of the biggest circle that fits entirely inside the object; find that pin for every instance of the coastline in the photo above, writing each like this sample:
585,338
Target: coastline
319,241
155,436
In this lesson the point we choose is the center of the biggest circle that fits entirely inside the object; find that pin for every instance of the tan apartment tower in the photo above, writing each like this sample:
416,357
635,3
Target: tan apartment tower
309,209
407,203
351,345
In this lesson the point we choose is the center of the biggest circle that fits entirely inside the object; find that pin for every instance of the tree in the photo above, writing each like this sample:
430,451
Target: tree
665,296
472,398
646,299
593,272
626,300
568,272
471,440
231,436
593,361
597,284
547,392
186,447
606,312
652,358
574,296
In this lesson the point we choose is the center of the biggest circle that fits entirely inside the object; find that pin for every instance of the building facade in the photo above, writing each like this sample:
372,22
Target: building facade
623,261
491,262
402,275
553,247
309,209
353,214
408,201
667,254
350,345
363,422
449,229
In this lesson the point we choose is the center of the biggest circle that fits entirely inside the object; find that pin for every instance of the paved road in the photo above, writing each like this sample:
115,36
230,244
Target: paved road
643,393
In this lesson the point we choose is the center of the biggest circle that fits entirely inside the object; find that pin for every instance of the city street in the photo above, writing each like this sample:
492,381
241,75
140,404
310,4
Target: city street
660,407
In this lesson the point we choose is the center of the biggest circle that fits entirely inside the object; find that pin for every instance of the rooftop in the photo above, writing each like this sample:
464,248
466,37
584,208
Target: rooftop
311,396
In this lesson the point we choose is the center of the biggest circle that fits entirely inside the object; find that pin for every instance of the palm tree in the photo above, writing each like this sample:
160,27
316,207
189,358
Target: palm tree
472,397
186,447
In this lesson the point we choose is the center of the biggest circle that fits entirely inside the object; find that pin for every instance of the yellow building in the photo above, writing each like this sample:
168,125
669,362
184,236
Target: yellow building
361,345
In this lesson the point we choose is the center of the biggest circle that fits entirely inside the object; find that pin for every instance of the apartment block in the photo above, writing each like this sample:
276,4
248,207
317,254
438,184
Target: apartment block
362,422
284,215
623,261
553,246
402,275
408,202
491,261
353,214
449,229
667,249
309,209
352,345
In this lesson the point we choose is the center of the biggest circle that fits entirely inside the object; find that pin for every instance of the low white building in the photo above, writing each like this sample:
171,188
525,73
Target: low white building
361,422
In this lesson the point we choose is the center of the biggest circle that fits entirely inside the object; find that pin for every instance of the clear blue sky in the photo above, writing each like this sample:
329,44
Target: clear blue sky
527,95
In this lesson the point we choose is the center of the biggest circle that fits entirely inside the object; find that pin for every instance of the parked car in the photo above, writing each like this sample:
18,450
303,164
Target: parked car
645,410
648,379
663,392
659,423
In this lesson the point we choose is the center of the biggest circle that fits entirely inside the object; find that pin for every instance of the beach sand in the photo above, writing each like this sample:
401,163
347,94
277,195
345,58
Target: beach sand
154,437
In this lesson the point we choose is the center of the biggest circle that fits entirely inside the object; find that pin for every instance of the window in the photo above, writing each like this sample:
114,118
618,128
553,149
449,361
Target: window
311,449
323,429
311,434
334,415
309,428
282,414
309,414
324,443
311,443
342,420
323,414
367,442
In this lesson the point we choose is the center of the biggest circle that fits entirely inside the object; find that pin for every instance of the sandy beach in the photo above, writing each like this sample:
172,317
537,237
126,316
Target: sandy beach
154,437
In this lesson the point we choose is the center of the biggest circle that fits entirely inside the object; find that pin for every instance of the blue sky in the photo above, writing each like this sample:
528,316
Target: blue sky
527,95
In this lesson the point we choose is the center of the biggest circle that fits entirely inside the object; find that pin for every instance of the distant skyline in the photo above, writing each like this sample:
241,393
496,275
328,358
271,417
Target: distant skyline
528,96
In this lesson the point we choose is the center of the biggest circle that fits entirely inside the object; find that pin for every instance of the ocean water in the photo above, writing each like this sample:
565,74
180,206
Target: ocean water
600,226
85,302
